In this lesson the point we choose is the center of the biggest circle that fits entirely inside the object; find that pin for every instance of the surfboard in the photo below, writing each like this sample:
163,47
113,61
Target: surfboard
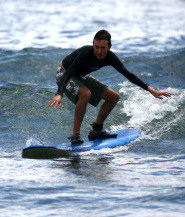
124,137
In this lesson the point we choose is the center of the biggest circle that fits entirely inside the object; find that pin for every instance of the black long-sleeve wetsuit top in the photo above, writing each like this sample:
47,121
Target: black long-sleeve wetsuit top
83,61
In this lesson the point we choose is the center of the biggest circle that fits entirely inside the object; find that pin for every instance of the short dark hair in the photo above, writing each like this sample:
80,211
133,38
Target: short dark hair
103,35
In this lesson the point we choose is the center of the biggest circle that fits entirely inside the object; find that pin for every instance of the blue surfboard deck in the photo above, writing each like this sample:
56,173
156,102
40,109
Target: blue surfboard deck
124,137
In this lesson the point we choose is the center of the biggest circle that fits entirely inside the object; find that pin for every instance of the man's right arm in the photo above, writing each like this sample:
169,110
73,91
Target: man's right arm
73,70
57,100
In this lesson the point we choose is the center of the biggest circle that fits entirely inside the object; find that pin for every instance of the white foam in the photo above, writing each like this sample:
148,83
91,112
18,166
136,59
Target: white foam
105,151
31,141
70,24
143,108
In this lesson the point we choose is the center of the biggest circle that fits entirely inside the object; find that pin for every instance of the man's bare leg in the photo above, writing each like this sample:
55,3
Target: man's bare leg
111,98
84,95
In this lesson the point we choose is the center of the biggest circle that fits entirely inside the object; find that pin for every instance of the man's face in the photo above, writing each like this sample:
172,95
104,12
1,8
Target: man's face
101,48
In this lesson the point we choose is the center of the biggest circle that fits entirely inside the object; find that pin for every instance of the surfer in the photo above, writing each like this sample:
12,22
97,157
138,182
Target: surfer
74,80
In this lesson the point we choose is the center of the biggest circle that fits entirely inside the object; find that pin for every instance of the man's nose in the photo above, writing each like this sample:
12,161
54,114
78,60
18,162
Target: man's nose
99,50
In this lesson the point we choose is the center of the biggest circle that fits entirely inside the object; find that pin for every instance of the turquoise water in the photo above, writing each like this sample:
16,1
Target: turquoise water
144,178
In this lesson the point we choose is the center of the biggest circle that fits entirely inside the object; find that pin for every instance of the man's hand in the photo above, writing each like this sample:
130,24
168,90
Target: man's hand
158,94
57,100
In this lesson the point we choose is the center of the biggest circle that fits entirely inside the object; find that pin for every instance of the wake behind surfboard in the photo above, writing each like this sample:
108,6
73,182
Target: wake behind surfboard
124,137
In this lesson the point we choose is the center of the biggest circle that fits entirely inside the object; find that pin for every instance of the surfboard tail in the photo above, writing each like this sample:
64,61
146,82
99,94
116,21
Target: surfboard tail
43,152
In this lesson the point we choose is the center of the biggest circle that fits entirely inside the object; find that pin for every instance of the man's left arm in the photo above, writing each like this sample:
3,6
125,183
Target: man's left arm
118,65
158,94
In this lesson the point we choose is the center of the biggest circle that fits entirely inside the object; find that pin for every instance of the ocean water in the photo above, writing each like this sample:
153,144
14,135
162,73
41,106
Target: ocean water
142,179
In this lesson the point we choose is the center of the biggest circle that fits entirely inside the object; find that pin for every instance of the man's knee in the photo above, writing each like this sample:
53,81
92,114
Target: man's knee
114,98
110,96
84,94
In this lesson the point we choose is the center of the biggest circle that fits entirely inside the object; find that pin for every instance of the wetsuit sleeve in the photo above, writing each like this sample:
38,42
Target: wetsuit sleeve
71,71
118,65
